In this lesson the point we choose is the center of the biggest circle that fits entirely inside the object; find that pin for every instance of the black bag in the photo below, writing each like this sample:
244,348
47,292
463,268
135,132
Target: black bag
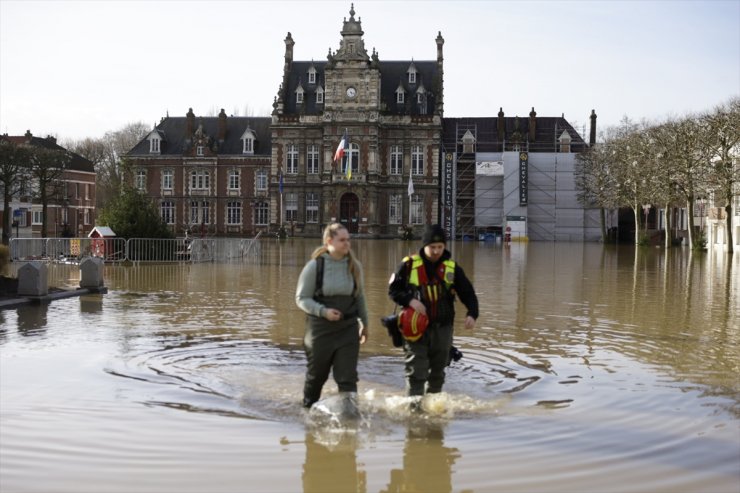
391,324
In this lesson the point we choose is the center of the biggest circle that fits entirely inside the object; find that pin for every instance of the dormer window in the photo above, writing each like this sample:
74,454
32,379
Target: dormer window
155,140
311,75
400,95
319,95
248,139
199,151
565,141
299,95
412,74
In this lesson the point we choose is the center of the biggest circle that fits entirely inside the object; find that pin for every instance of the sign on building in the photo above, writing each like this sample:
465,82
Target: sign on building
523,178
489,168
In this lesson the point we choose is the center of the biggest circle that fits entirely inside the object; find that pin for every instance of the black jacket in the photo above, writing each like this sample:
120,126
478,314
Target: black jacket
401,292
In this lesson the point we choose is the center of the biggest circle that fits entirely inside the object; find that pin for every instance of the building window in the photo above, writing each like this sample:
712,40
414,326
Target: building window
353,157
37,217
416,209
299,96
291,207
261,213
168,212
199,151
261,180
312,207
233,213
291,163
154,145
65,215
200,179
312,159
312,75
141,180
233,180
168,180
319,96
199,212
87,191
396,160
395,204
400,96
87,216
412,76
248,145
417,160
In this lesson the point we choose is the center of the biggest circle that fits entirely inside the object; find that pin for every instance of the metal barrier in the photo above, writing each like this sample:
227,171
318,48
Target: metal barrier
72,250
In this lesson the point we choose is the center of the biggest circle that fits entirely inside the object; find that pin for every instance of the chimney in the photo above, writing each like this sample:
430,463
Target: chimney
222,125
500,126
28,136
51,139
592,136
532,125
190,124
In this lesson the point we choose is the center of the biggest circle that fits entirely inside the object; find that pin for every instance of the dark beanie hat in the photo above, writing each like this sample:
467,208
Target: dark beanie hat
433,234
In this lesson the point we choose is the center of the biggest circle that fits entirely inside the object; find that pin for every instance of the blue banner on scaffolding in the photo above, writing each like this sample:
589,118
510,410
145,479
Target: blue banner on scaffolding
523,177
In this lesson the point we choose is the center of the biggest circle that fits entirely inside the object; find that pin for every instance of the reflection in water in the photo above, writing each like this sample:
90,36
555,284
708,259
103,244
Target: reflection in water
427,463
91,303
32,318
331,463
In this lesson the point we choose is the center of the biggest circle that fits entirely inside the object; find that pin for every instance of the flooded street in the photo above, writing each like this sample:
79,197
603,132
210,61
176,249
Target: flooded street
590,369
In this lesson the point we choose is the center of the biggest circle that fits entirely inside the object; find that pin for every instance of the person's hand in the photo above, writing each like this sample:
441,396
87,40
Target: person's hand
363,334
469,322
332,314
418,306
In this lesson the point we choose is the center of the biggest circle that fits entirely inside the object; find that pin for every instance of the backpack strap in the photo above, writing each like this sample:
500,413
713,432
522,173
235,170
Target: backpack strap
319,275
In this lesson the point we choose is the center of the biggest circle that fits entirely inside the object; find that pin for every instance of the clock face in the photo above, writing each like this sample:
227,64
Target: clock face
351,92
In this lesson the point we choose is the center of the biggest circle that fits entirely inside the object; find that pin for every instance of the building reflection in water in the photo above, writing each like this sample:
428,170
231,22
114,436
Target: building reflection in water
91,304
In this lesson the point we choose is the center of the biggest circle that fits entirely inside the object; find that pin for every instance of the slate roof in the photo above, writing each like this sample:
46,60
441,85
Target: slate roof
78,163
392,73
547,132
174,142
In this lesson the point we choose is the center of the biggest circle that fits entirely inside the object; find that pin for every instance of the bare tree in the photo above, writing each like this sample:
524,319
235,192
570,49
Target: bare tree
594,177
107,153
14,161
723,153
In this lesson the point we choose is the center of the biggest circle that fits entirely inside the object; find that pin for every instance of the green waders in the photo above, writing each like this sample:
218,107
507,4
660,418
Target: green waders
426,360
332,346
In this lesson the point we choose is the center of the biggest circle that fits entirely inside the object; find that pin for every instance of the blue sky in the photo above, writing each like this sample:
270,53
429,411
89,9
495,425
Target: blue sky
77,69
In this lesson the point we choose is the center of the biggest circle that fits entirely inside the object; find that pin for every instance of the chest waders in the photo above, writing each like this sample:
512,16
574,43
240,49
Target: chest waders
331,346
426,359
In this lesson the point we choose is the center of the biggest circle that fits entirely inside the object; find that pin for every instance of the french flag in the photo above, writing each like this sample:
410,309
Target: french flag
343,145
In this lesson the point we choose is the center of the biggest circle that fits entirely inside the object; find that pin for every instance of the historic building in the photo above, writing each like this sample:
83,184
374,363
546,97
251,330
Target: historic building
70,211
207,175
391,115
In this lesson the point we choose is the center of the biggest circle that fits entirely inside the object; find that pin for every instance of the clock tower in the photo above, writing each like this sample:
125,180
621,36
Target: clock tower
390,113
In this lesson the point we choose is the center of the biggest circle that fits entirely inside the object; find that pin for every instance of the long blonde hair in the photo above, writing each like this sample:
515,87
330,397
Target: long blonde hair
353,265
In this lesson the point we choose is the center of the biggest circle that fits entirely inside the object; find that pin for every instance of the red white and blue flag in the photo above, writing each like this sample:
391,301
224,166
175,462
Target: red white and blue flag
341,149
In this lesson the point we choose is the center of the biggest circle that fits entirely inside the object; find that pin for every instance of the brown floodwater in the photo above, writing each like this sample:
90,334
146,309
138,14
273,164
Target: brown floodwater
590,368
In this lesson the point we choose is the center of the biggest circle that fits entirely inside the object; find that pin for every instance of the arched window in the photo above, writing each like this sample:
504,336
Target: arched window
353,157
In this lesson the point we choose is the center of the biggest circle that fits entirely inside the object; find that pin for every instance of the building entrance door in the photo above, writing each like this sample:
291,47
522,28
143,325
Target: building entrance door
349,209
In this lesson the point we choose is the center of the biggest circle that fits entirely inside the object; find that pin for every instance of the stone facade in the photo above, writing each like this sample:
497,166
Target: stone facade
391,113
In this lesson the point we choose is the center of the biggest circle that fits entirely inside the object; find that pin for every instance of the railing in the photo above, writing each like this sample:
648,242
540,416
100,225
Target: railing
72,250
